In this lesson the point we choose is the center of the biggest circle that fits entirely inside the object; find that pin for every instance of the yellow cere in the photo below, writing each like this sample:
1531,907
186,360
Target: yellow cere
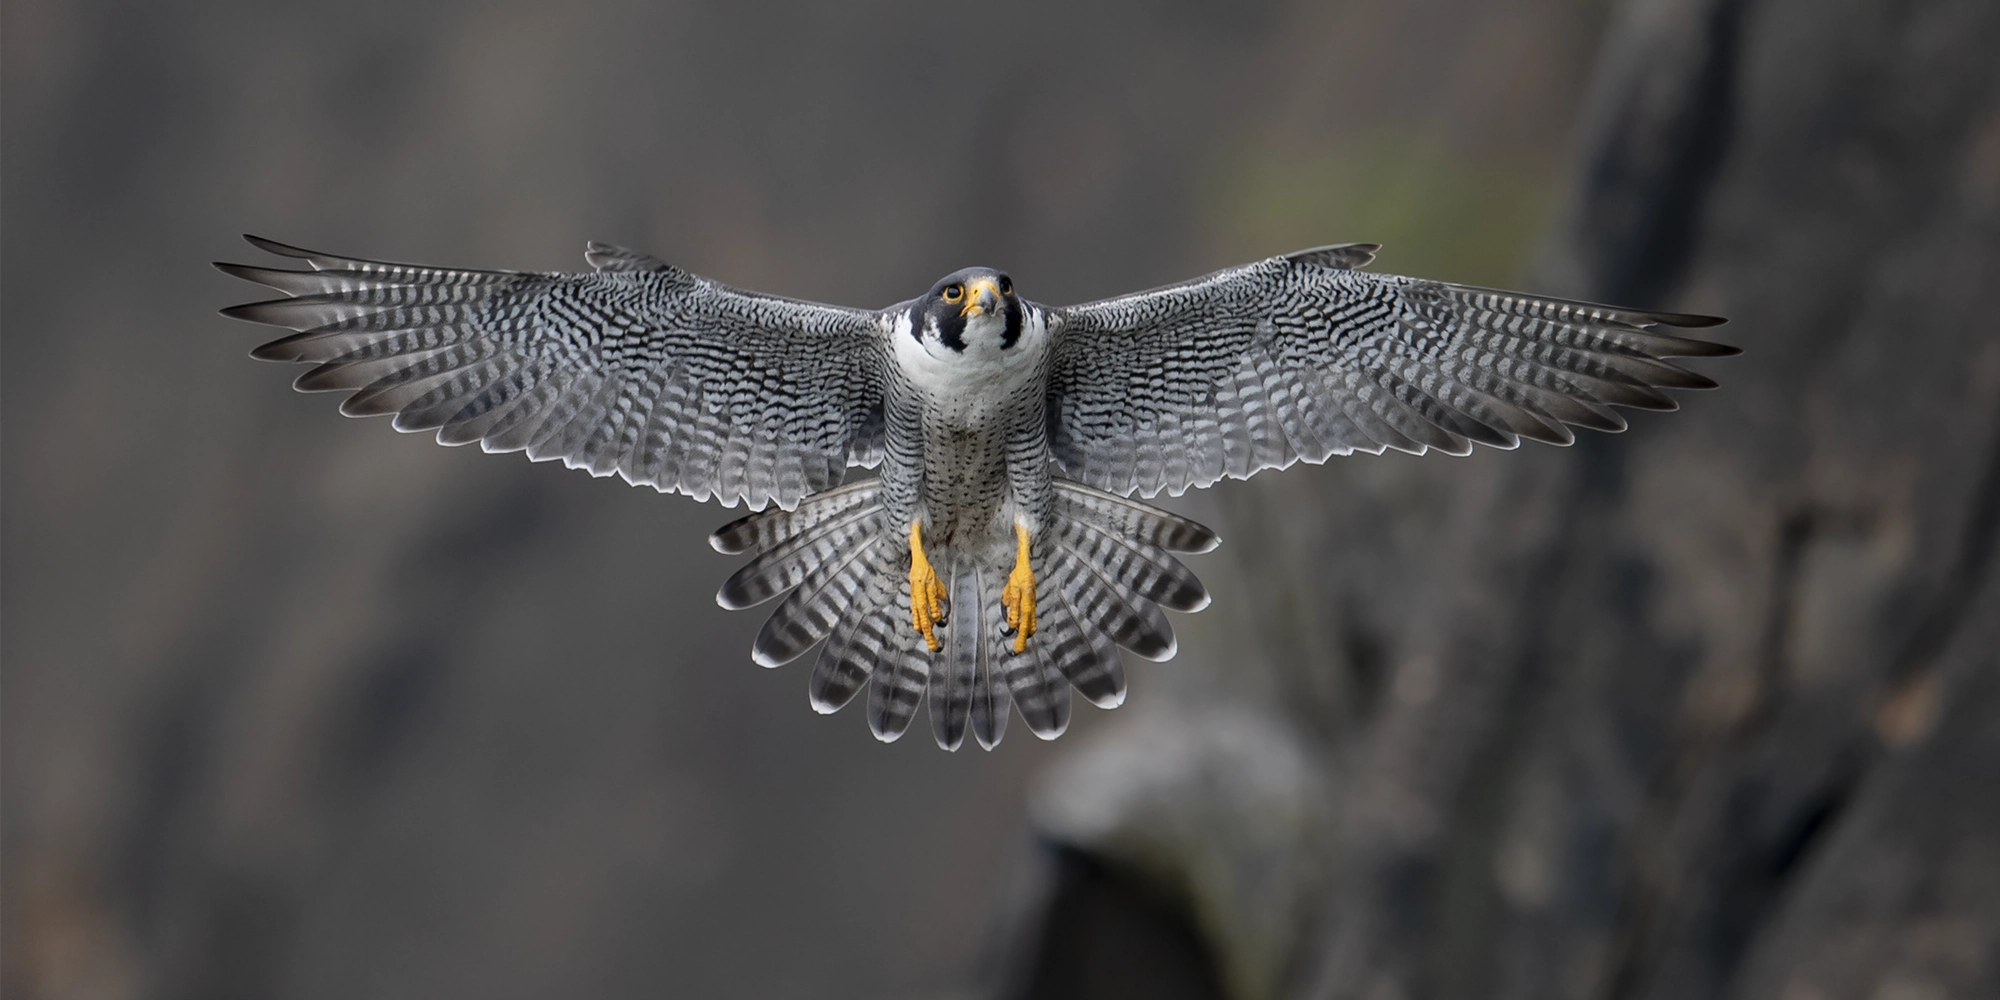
972,307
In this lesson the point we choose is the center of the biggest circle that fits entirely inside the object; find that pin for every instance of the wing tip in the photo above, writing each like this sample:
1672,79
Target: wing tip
1704,349
253,312
243,271
1689,321
274,247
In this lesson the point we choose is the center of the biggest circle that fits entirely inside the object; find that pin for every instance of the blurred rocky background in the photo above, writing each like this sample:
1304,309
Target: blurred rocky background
292,706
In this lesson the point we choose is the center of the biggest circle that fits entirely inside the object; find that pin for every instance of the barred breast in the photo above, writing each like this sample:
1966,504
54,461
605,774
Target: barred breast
967,442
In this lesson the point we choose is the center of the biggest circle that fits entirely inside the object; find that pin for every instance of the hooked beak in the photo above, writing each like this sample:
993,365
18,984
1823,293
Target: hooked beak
982,298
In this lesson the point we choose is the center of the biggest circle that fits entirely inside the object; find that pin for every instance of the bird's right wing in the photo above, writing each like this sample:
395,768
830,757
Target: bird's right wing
666,378
1301,356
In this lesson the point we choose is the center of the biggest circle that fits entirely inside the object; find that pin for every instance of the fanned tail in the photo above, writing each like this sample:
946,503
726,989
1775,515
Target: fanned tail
1105,575
902,669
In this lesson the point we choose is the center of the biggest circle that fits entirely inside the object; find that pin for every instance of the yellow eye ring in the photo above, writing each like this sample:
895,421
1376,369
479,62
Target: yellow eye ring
952,293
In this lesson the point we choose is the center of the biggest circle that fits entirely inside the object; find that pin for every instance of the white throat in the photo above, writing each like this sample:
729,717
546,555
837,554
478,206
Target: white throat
984,366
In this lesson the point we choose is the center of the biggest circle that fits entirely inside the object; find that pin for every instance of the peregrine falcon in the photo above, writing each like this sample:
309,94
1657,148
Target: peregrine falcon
997,557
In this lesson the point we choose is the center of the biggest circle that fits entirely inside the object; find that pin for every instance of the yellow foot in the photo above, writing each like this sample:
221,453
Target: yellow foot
926,590
1019,595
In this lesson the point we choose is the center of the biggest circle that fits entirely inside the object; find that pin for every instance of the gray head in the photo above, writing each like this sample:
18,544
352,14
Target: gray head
973,309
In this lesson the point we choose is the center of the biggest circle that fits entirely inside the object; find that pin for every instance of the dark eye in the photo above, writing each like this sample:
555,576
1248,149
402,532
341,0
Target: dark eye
952,293
1006,286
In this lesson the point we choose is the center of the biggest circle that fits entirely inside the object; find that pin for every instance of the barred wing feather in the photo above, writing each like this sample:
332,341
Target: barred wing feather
640,369
1303,357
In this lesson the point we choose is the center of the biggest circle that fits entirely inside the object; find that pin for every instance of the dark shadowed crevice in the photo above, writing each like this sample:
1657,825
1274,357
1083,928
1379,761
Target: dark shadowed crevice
1795,843
1365,652
1645,191
1798,532
1107,932
1768,858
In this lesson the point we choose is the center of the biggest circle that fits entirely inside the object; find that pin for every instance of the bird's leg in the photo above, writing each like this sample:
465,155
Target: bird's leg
1018,597
927,609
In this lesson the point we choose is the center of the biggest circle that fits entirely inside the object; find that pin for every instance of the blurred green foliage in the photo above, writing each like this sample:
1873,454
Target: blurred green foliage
1437,215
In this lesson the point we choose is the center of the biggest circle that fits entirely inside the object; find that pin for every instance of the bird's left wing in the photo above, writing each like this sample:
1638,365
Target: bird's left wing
666,378
1302,356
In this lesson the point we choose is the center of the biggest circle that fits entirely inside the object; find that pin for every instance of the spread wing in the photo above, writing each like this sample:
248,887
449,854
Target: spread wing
1303,357
666,378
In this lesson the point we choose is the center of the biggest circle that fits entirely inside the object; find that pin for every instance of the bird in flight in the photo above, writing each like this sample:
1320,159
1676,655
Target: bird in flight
997,557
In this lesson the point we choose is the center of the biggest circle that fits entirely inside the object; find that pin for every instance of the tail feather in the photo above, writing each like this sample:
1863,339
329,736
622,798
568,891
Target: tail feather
811,612
990,704
767,529
1142,568
842,667
897,687
787,564
1020,675
1099,674
857,644
1062,648
956,667
1129,619
1132,519
1044,702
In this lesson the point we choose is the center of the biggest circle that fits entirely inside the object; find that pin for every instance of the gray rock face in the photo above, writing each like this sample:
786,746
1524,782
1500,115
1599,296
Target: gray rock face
1709,709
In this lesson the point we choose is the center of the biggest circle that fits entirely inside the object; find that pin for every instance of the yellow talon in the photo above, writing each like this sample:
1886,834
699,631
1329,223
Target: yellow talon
1019,595
926,590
